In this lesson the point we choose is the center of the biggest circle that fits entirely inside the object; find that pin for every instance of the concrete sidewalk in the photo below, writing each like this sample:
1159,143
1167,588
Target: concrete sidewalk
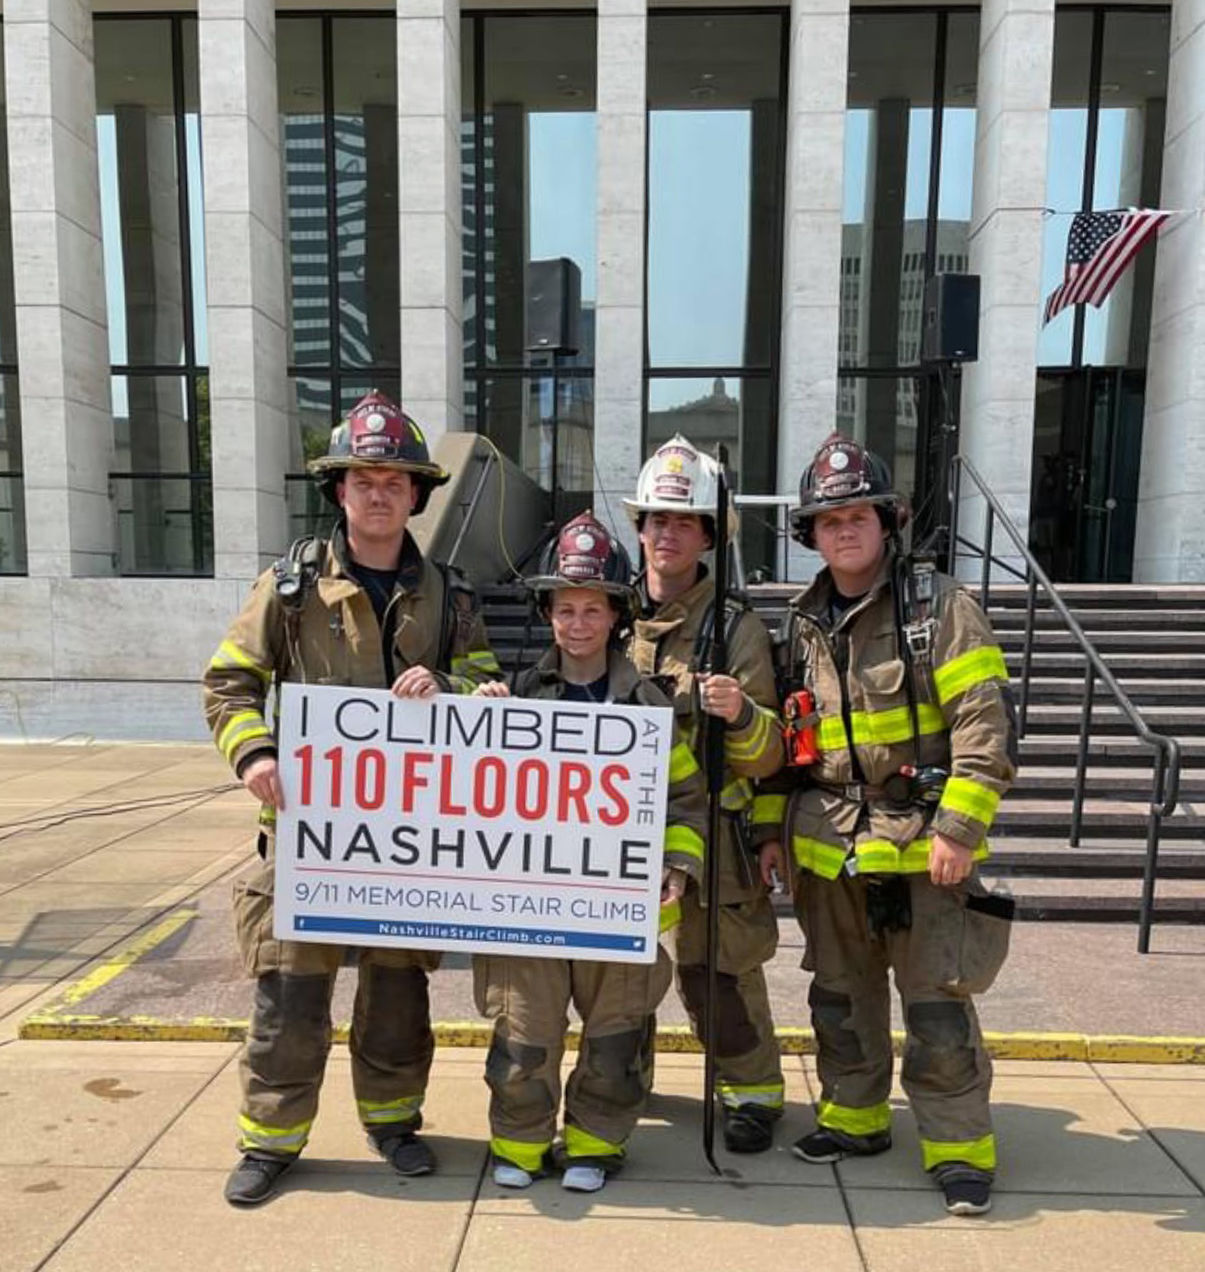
114,1153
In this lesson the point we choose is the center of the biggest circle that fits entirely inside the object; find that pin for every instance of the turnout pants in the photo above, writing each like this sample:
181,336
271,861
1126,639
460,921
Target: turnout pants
748,1066
528,1001
284,1058
947,954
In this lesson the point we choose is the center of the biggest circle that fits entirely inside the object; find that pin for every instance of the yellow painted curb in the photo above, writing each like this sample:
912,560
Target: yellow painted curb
1115,1048
56,1021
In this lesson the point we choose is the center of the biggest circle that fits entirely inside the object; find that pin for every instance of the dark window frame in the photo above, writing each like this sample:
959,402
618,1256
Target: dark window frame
769,370
189,370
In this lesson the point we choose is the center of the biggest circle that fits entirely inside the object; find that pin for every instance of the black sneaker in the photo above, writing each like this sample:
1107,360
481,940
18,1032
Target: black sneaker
968,1190
406,1153
254,1179
749,1128
824,1145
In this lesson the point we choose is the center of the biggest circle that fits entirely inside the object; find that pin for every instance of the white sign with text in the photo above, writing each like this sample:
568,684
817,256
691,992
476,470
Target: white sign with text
489,825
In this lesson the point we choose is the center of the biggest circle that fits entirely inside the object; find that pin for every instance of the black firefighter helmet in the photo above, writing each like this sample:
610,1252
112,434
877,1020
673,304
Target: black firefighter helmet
844,472
378,434
585,555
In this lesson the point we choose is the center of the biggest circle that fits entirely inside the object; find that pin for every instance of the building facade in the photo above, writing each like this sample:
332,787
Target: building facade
575,230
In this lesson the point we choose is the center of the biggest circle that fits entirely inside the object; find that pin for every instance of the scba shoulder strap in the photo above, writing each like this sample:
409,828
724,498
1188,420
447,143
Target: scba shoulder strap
295,574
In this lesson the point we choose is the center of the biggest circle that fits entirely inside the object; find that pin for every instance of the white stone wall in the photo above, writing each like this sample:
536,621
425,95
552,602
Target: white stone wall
1170,543
1016,45
819,56
432,353
245,281
58,277
619,309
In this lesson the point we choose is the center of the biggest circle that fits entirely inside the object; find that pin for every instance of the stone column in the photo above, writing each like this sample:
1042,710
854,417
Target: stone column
428,95
811,240
58,280
1170,537
619,308
244,263
1016,46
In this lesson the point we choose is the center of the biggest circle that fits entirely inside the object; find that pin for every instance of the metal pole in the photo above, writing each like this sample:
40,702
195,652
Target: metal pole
955,483
1081,762
1147,908
985,576
1027,653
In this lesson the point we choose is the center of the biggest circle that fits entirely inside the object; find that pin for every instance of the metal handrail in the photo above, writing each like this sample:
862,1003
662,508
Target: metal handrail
1165,788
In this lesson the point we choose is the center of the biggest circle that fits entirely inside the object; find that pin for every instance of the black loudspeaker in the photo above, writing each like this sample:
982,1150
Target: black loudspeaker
554,305
950,332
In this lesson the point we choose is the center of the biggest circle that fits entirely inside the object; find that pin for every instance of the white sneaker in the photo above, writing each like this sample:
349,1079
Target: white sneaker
584,1178
508,1176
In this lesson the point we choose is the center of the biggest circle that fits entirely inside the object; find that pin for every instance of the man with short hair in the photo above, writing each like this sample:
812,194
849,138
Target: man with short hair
900,744
363,608
674,514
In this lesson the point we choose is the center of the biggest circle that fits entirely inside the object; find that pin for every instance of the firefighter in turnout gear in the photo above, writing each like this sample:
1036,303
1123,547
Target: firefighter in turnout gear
584,590
363,608
674,514
901,741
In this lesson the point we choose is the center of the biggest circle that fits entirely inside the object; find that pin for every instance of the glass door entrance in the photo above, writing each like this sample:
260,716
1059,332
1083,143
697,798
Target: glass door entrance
1087,451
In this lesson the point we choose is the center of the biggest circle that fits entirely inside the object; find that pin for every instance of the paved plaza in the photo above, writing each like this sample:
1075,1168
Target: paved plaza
114,865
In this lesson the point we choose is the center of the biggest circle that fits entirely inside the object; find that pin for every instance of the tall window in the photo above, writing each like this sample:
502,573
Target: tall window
909,163
716,131
528,154
149,150
1108,111
12,504
337,83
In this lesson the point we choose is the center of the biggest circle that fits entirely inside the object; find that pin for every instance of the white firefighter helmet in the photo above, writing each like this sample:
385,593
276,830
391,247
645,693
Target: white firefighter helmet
679,478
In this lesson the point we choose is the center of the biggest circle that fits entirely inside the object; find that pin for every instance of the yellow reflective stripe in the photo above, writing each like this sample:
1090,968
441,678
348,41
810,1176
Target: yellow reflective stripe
768,1095
230,655
671,916
481,658
980,1153
972,799
241,728
267,815
815,855
737,794
579,1143
403,1109
682,763
972,668
684,840
879,728
768,809
866,1121
881,856
755,744
528,1157
280,1139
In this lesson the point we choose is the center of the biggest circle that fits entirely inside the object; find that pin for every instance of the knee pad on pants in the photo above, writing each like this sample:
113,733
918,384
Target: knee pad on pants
290,1027
830,1015
397,1020
615,1062
511,1073
939,1050
735,1032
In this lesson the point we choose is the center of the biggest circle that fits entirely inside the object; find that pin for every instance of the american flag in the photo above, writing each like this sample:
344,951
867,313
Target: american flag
1099,247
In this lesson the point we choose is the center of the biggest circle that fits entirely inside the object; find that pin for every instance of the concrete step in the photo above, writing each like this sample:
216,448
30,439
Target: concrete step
1101,818
1108,720
1100,620
1038,781
1042,899
1104,751
1123,664
1142,691
1093,857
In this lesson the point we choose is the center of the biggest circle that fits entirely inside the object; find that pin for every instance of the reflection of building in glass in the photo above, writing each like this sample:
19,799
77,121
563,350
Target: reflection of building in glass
715,417
884,412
